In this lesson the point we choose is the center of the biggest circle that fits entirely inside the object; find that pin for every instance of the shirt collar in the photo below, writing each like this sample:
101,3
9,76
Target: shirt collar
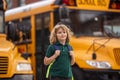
58,43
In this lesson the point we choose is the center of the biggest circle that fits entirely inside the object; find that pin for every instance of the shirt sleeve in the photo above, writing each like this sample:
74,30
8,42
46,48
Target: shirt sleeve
70,48
50,51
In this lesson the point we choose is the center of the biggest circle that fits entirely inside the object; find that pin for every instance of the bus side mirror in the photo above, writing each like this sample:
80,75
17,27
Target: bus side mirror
12,32
63,12
64,15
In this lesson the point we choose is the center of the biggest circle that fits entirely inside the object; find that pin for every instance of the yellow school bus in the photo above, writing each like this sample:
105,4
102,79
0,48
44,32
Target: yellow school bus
13,64
28,28
96,32
96,28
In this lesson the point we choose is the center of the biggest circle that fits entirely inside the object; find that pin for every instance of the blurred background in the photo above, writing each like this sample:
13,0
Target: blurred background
17,3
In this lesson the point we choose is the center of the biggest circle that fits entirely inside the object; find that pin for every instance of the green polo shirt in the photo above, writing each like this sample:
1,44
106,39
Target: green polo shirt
61,67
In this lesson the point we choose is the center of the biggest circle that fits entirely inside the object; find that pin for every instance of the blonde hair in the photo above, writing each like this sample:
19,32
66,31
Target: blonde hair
53,37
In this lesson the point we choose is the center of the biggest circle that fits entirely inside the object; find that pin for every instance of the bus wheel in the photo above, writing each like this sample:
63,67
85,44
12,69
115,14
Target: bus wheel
78,74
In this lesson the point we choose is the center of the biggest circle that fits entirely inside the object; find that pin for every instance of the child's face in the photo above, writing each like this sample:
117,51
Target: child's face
61,35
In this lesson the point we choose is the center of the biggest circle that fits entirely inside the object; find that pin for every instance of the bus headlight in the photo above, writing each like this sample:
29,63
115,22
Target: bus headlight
24,67
99,64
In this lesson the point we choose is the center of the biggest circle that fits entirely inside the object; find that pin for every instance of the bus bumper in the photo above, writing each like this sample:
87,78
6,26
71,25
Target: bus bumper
19,77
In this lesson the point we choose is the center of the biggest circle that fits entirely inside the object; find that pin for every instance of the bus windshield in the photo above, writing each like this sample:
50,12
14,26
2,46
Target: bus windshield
1,21
94,23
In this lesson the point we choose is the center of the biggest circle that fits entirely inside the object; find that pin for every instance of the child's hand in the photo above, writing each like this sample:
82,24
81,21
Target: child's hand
57,53
72,57
71,53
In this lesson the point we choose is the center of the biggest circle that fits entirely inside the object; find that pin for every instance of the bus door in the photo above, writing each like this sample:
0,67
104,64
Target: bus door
41,43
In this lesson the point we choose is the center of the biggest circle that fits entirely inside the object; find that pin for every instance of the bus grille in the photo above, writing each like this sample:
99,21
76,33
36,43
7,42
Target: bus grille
3,65
116,52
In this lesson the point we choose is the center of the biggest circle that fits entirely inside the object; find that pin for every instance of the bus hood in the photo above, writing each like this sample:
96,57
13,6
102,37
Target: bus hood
5,45
86,42
106,49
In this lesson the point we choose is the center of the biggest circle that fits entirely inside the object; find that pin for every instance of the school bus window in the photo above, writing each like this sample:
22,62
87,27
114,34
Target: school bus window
42,28
25,28
94,21
112,25
45,18
1,22
42,40
83,19
47,30
116,30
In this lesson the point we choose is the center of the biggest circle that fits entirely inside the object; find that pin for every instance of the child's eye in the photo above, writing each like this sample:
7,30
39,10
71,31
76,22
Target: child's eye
59,32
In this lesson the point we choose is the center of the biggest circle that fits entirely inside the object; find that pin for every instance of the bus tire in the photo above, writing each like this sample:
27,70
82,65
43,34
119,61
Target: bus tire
78,73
